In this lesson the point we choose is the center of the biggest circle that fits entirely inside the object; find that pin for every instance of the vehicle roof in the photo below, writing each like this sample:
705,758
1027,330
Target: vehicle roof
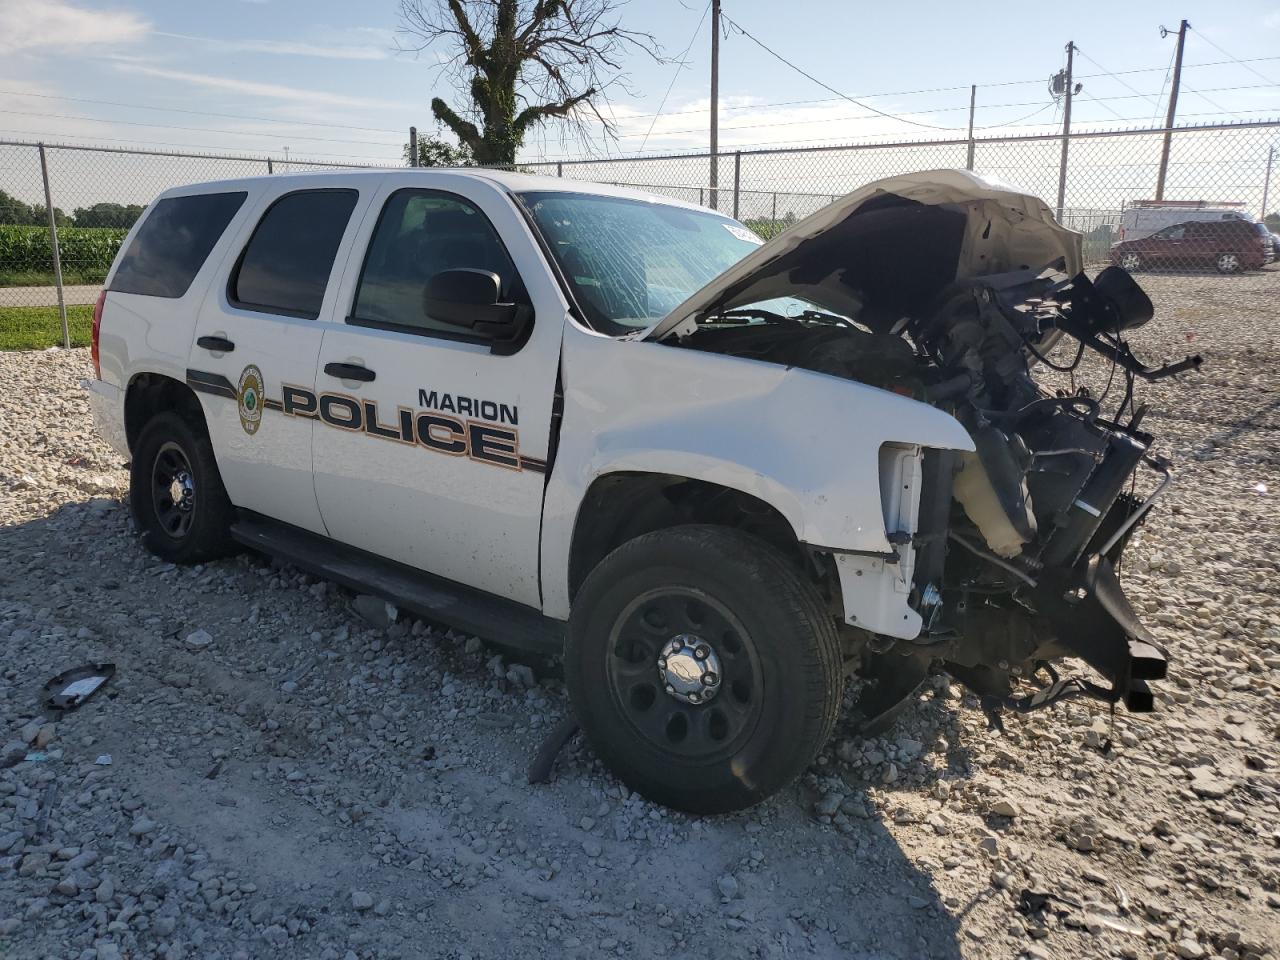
1215,224
505,179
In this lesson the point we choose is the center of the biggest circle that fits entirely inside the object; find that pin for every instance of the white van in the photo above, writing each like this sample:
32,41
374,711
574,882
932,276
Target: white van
1142,218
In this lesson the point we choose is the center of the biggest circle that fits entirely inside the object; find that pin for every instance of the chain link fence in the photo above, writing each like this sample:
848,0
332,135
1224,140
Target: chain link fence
55,268
1218,190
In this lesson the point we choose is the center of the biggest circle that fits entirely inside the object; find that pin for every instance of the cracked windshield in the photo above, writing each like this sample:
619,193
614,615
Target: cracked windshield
631,262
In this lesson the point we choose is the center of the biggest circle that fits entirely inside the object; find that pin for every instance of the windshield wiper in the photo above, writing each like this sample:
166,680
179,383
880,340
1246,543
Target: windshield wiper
749,313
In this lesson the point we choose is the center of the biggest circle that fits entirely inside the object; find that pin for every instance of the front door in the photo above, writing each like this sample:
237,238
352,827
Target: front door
430,445
260,332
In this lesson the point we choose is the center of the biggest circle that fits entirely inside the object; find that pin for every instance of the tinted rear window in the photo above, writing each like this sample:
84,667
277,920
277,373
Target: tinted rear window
173,242
286,265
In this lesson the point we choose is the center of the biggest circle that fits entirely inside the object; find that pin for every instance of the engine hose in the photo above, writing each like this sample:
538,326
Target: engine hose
1035,406
992,558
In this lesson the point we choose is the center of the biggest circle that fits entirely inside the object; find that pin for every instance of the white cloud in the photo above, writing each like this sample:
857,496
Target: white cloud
1272,20
58,25
300,48
273,91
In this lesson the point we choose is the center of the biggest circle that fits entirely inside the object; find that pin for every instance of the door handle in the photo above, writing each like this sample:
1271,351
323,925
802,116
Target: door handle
216,344
349,371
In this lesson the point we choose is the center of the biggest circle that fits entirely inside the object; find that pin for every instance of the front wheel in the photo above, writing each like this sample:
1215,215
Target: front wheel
1228,263
176,494
703,668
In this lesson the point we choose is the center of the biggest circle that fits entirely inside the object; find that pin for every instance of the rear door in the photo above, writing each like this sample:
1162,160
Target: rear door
259,331
1199,245
437,457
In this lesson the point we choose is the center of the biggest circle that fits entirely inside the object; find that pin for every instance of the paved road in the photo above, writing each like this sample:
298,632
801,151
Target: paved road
48,296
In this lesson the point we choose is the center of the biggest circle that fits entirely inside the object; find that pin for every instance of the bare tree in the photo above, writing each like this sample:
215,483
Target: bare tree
522,63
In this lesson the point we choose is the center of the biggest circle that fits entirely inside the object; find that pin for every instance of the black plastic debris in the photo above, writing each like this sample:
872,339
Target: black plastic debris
544,760
71,688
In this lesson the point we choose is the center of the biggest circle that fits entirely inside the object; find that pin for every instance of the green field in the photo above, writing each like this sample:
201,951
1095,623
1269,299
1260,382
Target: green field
34,328
26,258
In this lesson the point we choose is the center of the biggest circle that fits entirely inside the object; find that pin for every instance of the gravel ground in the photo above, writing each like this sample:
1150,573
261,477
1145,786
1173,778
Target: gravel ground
287,779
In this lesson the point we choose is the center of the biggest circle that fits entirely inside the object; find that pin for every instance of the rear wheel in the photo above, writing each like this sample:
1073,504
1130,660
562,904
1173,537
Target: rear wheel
1131,262
176,493
1228,263
704,669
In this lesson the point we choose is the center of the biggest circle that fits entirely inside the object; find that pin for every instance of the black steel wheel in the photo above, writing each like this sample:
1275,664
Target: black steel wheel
684,672
175,492
703,667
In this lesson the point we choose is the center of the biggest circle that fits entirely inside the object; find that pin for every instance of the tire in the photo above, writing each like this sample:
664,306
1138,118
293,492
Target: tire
1228,263
775,659
1130,262
176,495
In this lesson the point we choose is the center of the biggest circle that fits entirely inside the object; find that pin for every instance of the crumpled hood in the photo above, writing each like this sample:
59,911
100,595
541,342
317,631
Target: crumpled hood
991,228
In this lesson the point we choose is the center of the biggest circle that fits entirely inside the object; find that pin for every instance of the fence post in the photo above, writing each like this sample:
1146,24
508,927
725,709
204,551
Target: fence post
559,169
413,146
973,102
737,180
1266,183
270,168
57,256
774,218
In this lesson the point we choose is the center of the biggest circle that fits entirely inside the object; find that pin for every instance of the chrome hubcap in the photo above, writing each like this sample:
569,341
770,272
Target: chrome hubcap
690,669
173,490
182,491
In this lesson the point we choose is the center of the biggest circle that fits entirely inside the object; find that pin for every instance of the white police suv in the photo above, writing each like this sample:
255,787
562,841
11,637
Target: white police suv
717,477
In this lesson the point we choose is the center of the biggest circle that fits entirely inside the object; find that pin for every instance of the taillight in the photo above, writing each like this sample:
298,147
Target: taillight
97,332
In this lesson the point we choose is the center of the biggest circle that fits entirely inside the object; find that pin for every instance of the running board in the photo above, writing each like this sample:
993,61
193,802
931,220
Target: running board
430,597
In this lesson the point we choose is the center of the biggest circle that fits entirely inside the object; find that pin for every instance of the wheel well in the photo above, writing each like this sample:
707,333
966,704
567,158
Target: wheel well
152,393
622,506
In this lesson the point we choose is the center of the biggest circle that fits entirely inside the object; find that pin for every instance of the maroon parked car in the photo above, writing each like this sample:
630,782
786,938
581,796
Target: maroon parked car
1227,246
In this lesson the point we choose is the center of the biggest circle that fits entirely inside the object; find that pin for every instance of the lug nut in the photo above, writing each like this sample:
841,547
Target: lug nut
710,679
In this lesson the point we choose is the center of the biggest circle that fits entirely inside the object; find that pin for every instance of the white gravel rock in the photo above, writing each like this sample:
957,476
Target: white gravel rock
310,754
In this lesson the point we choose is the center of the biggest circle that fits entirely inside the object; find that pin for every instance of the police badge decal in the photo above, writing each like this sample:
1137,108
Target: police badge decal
249,393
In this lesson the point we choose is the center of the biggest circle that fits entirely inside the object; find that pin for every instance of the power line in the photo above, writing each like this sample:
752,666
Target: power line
1098,101
696,153
1208,100
680,65
1123,83
638,116
1232,58
1168,71
982,86
773,53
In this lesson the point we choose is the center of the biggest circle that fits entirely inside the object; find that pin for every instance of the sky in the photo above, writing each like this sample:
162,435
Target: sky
324,79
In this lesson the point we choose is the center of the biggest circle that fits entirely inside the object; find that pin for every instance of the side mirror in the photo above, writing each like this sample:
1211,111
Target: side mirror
469,298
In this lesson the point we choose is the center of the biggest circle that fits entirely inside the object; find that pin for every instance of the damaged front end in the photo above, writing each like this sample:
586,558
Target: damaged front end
953,290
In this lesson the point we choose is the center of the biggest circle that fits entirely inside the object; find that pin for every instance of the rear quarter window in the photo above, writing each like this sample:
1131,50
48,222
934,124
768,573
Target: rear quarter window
173,243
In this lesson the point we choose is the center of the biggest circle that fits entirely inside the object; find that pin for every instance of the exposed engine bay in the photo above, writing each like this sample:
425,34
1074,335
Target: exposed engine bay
1017,544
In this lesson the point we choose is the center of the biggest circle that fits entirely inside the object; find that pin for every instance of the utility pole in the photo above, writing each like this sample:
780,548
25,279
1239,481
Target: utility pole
1066,130
413,146
715,101
1266,183
973,100
1173,107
